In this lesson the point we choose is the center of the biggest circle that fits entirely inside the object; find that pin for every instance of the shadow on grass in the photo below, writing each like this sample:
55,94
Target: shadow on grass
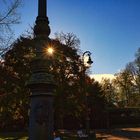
120,133
127,134
24,136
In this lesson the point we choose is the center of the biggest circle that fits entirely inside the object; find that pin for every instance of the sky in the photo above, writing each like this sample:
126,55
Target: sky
109,29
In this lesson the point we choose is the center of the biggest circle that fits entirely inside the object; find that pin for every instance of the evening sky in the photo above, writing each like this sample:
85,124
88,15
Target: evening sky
110,29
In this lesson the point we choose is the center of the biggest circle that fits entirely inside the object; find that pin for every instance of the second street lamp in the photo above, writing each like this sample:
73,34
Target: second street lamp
87,54
86,58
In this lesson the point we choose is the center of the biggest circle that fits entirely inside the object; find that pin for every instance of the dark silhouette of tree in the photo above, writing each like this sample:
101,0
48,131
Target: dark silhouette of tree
109,92
97,103
124,84
14,72
134,70
67,71
65,65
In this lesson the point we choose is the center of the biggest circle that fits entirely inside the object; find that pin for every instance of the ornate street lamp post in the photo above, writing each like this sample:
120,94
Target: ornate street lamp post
41,82
86,55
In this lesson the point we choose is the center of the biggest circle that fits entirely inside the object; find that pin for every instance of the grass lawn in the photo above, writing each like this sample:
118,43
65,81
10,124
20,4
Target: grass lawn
13,136
24,136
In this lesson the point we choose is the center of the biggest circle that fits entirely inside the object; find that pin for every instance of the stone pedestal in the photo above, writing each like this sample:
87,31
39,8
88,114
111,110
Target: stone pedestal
41,118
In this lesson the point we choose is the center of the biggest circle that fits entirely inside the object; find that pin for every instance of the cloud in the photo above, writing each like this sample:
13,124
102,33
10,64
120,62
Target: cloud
99,77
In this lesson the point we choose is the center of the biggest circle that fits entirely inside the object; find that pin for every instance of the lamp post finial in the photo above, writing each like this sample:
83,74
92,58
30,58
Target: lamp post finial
42,8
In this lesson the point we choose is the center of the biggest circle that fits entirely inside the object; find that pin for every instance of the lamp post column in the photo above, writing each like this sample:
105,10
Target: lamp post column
41,81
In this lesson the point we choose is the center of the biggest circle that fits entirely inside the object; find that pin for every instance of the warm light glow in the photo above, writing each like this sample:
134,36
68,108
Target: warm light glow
86,58
50,50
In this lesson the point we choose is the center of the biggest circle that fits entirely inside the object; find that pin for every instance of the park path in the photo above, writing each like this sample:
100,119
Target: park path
119,134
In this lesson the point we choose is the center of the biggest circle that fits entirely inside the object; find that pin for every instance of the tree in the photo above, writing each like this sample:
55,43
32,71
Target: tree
15,72
134,69
65,65
67,70
124,84
127,84
96,102
8,16
109,92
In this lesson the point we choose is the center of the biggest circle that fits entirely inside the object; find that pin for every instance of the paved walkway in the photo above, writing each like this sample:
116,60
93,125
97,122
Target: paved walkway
119,134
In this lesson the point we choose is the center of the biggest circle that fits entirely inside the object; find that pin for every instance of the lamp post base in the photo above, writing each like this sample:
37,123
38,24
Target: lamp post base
41,118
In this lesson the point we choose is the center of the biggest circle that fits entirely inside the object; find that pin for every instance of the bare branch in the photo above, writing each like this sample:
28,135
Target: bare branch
11,15
8,16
